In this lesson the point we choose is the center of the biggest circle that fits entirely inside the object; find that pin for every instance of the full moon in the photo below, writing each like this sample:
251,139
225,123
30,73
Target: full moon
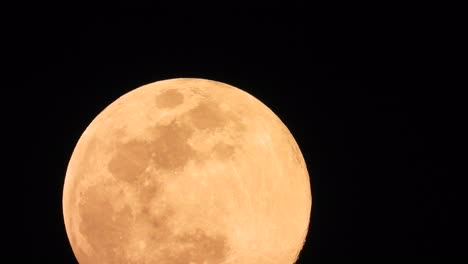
187,171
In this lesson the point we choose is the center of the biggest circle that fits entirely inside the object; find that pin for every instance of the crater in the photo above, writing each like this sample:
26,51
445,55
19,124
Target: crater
105,229
130,161
170,98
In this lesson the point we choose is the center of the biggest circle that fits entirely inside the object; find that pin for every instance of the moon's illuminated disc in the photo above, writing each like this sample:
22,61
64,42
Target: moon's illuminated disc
187,171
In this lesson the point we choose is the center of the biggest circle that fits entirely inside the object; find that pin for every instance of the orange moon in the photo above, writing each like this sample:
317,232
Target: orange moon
187,171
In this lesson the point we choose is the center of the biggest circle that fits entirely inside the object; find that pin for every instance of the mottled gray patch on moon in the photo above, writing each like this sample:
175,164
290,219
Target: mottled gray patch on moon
207,115
196,247
223,151
170,150
131,159
103,227
169,98
167,149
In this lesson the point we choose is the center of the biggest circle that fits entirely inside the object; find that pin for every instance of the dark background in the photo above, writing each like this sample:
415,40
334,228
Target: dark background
348,87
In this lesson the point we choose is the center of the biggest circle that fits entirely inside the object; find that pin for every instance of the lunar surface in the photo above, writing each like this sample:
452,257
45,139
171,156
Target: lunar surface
187,171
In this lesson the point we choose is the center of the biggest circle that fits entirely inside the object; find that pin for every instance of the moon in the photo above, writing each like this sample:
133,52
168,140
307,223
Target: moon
187,171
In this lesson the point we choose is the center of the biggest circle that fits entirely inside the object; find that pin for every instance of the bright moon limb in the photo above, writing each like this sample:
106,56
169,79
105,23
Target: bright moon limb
187,171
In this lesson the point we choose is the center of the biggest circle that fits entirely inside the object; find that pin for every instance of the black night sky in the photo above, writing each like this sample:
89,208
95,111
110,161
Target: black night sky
345,88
